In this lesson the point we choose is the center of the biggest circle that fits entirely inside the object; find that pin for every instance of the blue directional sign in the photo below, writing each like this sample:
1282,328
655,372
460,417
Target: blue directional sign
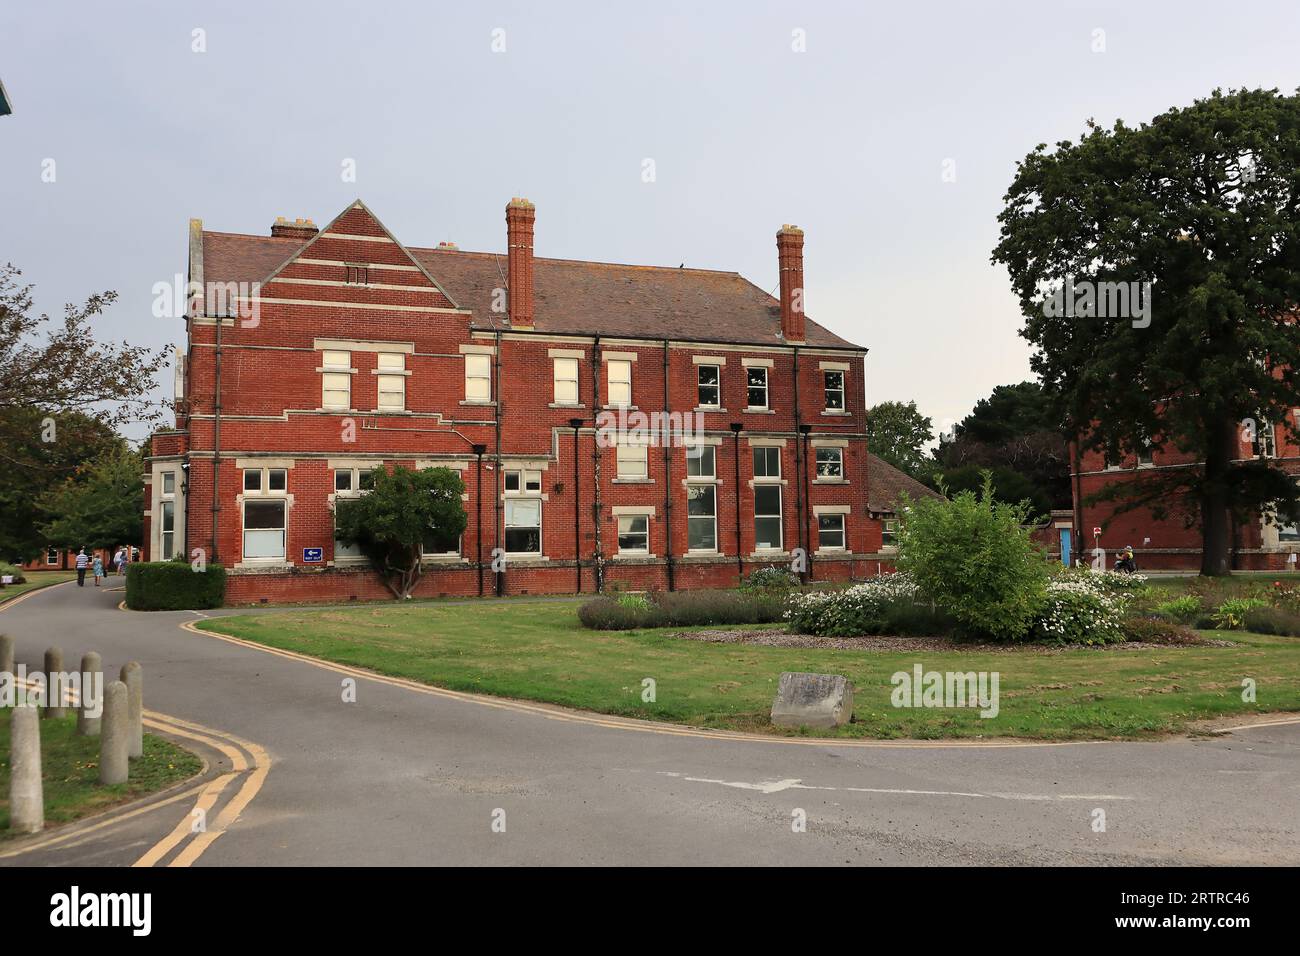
313,555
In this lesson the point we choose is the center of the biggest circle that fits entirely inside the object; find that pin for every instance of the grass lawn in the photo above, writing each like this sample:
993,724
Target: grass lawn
37,579
539,651
70,769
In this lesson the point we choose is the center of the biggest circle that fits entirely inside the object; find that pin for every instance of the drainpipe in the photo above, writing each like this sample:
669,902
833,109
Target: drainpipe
1078,502
803,481
798,485
740,561
496,479
575,424
595,451
668,474
478,523
216,442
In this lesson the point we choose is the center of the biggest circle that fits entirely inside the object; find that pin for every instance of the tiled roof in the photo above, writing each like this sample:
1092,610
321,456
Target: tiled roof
885,483
571,296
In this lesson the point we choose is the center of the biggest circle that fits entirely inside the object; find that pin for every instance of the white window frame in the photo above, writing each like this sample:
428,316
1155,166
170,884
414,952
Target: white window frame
1265,444
833,451
478,369
618,383
522,499
563,379
629,518
336,380
283,529
390,381
768,487
889,534
716,385
843,532
51,556
632,462
346,554
749,404
828,391
767,453
711,457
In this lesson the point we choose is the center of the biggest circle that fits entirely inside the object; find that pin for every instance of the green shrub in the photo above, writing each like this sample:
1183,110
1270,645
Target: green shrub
12,569
1231,614
973,556
1080,610
1150,630
679,609
168,586
1181,610
635,602
889,604
770,580
1273,620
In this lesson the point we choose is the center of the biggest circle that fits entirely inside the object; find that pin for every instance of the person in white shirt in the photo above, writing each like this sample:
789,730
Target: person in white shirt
83,563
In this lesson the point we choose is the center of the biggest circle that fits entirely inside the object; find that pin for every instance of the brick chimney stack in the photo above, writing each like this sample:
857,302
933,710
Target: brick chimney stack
789,250
303,229
520,215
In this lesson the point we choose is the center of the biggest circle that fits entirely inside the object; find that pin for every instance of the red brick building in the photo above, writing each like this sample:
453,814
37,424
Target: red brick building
1170,543
315,356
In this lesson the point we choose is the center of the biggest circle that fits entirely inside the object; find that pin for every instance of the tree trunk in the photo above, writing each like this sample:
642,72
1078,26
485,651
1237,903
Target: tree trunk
1215,536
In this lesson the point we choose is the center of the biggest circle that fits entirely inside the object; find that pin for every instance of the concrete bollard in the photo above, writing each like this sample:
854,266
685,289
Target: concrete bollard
133,677
113,761
6,654
53,685
26,798
91,665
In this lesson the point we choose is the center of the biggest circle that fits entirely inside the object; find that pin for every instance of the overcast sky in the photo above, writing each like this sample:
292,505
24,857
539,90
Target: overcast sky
840,117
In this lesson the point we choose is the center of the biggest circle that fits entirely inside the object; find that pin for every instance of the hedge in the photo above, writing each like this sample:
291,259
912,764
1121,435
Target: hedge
173,586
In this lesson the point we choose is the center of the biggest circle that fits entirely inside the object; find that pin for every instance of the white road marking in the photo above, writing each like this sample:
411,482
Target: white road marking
796,783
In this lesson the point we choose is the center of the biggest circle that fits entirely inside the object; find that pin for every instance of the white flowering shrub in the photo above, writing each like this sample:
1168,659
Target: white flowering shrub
867,608
1081,610
1112,582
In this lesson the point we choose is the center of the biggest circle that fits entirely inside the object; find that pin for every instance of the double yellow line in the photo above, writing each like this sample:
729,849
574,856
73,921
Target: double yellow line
247,759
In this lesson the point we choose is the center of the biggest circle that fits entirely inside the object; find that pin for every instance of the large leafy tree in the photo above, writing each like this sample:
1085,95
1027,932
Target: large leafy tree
1012,434
102,506
30,466
898,433
1203,203
63,395
392,521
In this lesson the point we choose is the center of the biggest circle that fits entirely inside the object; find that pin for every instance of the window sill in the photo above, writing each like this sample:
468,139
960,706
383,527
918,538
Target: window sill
830,481
485,403
766,554
759,411
713,409
566,405
832,414
634,555
633,481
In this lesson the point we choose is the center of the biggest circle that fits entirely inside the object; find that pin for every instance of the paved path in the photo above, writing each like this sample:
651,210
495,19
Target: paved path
408,777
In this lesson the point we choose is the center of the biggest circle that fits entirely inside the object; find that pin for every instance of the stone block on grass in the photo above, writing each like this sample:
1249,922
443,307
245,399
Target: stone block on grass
812,700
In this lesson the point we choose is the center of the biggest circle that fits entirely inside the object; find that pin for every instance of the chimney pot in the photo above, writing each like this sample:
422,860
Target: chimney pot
789,250
520,215
298,229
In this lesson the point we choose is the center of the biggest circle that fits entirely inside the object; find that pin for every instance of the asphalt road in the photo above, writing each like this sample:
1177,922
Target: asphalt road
404,777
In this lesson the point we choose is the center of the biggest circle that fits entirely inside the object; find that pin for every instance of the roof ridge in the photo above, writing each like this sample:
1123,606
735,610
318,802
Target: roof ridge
585,262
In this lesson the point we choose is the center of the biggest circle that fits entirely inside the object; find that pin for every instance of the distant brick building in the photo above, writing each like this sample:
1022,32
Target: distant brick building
314,357
1169,543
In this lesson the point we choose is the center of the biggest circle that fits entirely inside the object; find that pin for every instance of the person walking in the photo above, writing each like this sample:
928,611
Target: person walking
98,568
83,562
119,559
